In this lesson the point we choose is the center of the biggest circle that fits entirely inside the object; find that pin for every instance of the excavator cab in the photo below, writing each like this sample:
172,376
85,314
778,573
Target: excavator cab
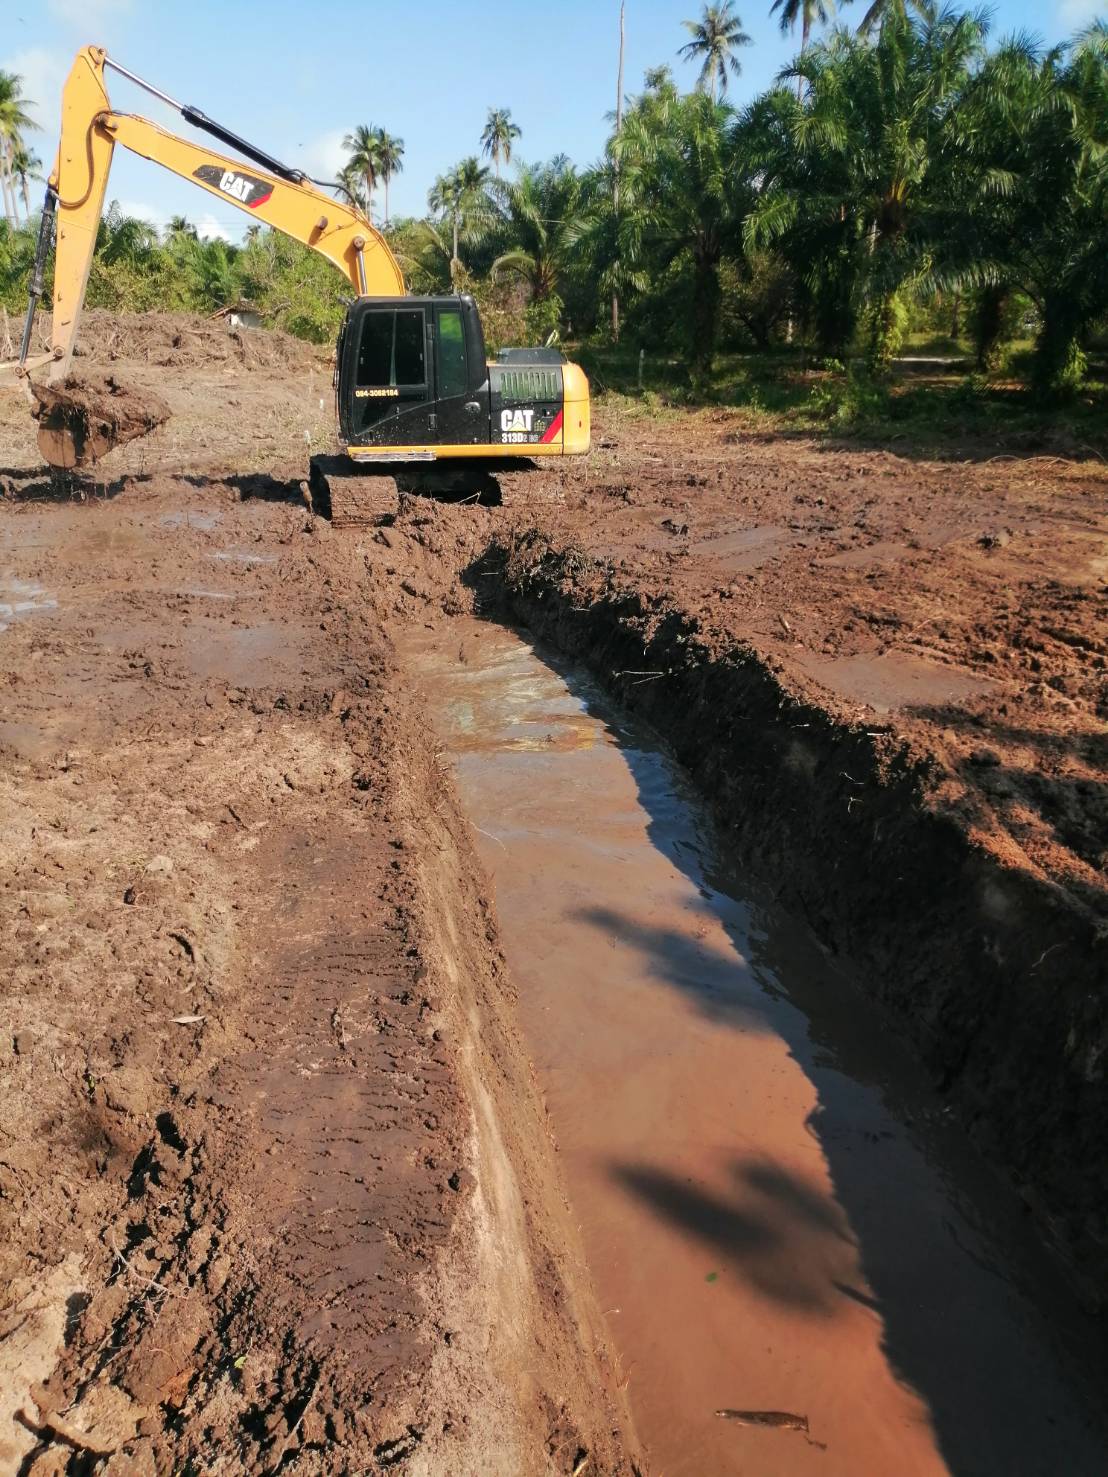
412,372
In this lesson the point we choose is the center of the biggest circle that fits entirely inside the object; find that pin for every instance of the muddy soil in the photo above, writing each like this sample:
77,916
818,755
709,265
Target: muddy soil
274,1163
85,417
731,1118
277,1190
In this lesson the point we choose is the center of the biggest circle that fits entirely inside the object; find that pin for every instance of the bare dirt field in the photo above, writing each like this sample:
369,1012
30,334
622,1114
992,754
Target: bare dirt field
277,1183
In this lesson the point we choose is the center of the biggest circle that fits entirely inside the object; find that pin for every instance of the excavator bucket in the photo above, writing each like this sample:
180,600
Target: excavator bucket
82,419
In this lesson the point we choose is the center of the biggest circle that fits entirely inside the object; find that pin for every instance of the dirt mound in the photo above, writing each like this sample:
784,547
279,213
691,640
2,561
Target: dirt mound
86,416
184,340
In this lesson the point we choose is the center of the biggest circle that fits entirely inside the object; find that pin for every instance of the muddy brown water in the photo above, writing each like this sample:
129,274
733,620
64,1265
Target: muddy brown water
782,1223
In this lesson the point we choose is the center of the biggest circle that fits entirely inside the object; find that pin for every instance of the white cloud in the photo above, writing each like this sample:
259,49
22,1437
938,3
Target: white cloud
43,71
1075,15
87,13
139,210
324,156
209,229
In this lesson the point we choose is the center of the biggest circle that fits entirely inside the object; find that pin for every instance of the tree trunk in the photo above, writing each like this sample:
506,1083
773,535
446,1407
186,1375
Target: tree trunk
615,175
706,296
1059,364
369,197
386,199
886,333
987,322
5,180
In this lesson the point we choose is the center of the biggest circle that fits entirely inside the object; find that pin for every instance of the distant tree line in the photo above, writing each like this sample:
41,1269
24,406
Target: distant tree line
887,171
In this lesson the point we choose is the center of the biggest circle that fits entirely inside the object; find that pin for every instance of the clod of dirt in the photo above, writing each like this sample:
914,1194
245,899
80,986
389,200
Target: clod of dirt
85,417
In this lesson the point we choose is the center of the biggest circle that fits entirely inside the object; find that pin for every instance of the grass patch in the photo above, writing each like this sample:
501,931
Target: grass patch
787,393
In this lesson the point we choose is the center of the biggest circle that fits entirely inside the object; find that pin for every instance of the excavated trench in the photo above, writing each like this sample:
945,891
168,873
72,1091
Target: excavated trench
802,1262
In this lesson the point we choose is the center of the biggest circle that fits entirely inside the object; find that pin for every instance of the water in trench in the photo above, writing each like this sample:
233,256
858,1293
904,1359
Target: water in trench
781,1221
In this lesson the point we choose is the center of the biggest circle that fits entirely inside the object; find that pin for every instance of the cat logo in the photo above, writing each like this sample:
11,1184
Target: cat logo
246,189
516,420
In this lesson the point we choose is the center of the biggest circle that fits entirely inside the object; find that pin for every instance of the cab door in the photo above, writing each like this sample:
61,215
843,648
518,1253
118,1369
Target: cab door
392,402
461,411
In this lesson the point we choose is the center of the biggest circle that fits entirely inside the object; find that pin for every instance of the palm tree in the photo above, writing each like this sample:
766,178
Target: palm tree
125,238
1035,129
684,200
856,180
715,37
461,196
542,214
498,135
390,156
926,11
14,118
180,227
25,167
804,11
364,146
351,184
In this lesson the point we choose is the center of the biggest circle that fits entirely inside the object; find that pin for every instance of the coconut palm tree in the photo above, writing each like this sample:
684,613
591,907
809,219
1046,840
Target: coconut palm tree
14,119
25,167
364,146
924,10
498,135
390,161
180,227
715,38
804,11
350,184
461,197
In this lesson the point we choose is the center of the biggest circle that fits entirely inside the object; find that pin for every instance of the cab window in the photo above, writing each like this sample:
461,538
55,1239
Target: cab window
452,353
391,351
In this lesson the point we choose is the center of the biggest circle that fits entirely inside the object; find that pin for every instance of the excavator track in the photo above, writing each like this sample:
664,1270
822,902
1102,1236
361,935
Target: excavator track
349,496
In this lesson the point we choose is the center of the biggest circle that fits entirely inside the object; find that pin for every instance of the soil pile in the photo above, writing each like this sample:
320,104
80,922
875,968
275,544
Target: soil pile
86,416
181,340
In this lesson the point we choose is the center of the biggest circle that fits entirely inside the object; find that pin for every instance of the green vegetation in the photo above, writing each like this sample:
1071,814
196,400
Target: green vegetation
910,189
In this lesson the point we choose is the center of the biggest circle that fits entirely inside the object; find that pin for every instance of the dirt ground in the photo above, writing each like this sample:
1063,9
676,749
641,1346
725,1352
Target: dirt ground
276,1184
965,601
277,1190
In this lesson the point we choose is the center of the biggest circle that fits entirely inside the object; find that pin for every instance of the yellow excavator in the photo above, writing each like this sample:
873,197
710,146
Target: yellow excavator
416,398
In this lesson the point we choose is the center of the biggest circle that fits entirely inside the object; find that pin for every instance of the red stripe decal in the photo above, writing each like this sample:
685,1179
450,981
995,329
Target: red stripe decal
260,201
552,430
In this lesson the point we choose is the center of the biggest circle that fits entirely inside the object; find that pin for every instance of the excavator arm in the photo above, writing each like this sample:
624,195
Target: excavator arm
264,189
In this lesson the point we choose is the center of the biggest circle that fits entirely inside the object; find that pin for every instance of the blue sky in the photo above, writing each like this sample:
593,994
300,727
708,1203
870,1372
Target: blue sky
295,75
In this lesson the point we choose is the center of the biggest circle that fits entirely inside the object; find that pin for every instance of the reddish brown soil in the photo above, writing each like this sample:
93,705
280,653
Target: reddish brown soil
85,417
320,1228
276,1188
888,678
967,602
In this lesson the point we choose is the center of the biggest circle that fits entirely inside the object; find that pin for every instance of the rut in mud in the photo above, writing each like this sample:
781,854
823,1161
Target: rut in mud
803,1266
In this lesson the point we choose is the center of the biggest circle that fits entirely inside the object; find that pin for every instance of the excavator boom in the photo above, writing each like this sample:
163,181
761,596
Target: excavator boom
264,189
